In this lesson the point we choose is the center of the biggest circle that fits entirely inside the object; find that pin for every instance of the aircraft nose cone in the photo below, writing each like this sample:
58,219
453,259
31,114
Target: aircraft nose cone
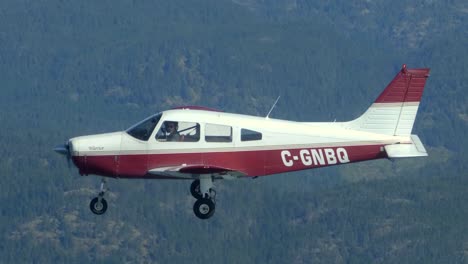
66,150
62,149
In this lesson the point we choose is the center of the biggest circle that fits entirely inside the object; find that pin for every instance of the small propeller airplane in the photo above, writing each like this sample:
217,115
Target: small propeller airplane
203,145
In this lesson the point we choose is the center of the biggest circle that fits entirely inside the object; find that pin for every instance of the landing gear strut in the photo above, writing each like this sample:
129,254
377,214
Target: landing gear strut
203,191
98,205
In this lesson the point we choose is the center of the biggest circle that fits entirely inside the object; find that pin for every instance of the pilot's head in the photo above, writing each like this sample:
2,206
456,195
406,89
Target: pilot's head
171,127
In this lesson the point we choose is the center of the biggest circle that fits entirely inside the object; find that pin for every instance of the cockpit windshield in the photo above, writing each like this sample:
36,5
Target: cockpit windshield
144,129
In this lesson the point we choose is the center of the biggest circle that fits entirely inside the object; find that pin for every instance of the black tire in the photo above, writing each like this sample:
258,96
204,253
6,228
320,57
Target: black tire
96,207
195,189
204,208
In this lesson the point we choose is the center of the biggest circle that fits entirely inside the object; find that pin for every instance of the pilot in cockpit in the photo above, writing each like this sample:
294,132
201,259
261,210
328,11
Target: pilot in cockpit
171,128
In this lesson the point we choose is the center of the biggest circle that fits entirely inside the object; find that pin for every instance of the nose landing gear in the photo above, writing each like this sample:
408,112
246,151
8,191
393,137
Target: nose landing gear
203,191
98,205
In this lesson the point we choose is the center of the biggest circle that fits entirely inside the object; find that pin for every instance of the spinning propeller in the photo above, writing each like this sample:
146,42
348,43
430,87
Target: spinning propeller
64,150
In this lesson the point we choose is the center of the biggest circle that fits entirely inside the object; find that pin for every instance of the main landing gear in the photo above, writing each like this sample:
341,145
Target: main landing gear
203,191
98,204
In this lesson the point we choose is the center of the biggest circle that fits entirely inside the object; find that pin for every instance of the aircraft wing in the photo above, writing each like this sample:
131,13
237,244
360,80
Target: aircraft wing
194,172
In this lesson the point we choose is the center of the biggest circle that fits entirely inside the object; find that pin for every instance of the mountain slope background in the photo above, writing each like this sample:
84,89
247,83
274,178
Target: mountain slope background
70,69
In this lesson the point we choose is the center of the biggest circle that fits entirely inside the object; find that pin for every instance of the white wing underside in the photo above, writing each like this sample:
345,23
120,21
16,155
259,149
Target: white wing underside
195,171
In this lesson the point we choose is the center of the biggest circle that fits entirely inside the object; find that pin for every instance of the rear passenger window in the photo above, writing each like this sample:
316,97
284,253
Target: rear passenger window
250,135
218,133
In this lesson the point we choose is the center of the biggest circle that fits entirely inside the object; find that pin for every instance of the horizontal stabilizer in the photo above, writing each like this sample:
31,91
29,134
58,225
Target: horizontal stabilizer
414,149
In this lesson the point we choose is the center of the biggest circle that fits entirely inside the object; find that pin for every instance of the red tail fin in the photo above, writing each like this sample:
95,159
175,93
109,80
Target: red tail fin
407,86
394,111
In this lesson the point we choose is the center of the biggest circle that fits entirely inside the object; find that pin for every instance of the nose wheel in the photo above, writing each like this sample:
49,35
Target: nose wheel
203,191
98,205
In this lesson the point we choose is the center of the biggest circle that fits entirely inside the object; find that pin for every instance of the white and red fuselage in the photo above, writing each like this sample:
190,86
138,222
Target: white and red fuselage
232,145
285,146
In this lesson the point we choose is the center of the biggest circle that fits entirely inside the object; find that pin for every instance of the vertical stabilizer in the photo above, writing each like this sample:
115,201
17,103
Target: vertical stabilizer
394,111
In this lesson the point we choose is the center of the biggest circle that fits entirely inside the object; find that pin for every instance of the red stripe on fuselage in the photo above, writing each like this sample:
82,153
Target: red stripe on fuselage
253,163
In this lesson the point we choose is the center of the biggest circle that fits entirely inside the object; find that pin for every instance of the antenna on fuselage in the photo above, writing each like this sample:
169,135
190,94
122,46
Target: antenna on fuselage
268,115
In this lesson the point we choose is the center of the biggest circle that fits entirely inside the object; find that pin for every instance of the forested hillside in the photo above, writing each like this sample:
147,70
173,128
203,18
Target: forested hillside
70,68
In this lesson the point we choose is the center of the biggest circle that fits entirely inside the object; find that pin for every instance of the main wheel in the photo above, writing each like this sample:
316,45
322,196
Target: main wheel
98,207
204,208
195,189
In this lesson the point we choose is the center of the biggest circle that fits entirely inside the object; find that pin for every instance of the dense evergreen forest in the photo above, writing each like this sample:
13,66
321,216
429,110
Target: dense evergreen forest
70,68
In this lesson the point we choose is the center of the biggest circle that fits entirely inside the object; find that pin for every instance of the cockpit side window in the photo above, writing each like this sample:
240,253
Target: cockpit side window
178,131
144,129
